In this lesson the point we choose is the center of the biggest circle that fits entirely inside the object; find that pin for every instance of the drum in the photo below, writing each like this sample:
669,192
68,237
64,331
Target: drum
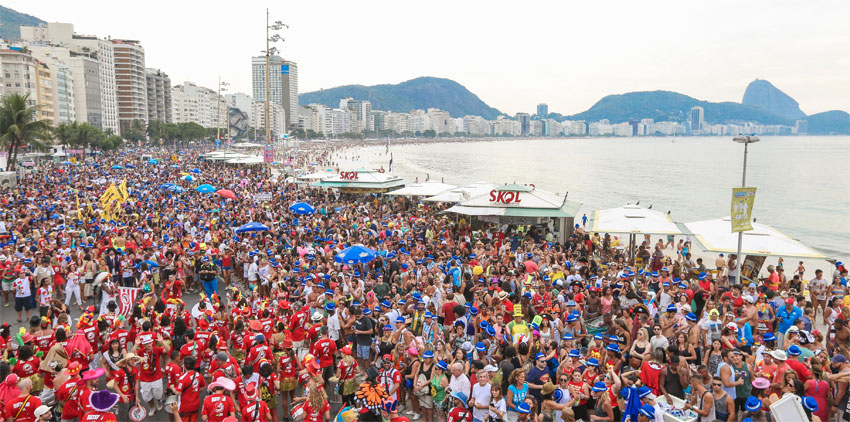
298,412
168,402
138,413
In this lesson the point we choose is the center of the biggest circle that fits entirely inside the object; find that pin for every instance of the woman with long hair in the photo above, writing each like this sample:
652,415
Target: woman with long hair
713,358
517,390
316,407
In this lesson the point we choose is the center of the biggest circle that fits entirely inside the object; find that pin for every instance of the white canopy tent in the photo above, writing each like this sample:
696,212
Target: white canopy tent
429,188
247,145
316,176
717,236
362,181
633,219
462,193
250,159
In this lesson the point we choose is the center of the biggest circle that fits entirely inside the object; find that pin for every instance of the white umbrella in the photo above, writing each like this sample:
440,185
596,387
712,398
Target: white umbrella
717,236
429,188
462,193
633,219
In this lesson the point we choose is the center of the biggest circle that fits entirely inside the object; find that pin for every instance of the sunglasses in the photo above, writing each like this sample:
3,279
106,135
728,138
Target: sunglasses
717,385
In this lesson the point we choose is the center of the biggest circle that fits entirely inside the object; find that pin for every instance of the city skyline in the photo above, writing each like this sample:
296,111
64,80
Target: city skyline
640,48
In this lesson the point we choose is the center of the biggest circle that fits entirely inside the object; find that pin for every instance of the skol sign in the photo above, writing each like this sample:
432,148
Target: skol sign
348,175
504,197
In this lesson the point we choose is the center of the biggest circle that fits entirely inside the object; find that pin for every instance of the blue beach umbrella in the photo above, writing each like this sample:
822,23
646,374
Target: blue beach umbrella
252,227
166,186
153,161
130,166
205,188
302,208
188,178
196,171
117,167
176,189
355,254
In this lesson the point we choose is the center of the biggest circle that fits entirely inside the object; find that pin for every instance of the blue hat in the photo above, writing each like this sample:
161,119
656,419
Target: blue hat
480,347
599,387
769,337
388,327
568,336
702,275
648,411
794,350
614,347
683,286
539,356
367,311
330,306
534,326
402,302
593,362
598,337
671,308
613,338
676,279
529,254
691,317
386,303
467,305
428,354
442,365
666,284
644,391
429,315
571,303
473,311
523,408
557,395
572,318
491,331
260,338
483,324
377,310
753,404
400,320
329,292
460,396
655,273
574,353
810,404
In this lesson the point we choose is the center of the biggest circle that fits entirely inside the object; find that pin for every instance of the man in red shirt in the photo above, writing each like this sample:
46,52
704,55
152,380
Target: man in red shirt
324,350
149,382
296,325
69,392
448,309
22,408
259,352
254,410
101,402
217,406
188,389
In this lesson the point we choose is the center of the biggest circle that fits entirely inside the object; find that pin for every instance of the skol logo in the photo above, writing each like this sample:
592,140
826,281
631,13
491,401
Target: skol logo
348,175
503,197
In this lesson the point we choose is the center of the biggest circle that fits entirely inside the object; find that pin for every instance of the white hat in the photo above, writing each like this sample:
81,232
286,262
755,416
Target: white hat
41,410
778,355
317,316
491,368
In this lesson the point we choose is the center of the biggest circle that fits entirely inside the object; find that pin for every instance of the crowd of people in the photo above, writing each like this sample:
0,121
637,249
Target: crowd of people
162,305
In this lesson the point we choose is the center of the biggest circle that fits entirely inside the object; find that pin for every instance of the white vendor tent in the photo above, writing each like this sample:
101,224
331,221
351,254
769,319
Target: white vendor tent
362,181
717,236
633,219
247,145
462,193
429,188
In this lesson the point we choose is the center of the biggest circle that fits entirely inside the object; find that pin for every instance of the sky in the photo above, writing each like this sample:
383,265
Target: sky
513,55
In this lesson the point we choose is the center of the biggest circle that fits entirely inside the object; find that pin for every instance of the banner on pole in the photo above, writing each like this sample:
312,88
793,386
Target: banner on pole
268,154
125,297
742,209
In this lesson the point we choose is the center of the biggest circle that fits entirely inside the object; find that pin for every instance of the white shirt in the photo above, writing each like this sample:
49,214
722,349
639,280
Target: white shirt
503,408
564,399
460,384
481,395
22,287
334,327
252,271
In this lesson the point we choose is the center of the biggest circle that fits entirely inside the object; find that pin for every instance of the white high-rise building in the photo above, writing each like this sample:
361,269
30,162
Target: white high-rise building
86,79
130,82
193,103
62,34
276,119
63,94
283,85
159,95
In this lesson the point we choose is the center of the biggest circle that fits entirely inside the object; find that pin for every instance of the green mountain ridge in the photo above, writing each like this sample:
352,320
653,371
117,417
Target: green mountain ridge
833,122
761,93
11,21
416,94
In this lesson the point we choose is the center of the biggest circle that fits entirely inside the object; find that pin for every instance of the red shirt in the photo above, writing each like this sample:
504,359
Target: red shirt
803,373
21,409
258,353
69,393
288,366
448,313
257,406
650,373
122,381
459,414
296,325
190,384
150,368
172,373
217,407
91,335
120,335
191,348
324,350
27,368
202,338
315,415
98,417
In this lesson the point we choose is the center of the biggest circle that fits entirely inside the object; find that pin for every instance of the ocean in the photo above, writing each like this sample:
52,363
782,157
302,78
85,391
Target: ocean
803,182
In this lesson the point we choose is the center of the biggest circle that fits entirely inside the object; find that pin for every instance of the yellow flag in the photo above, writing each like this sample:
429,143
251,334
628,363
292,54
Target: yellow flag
79,212
123,188
110,195
742,209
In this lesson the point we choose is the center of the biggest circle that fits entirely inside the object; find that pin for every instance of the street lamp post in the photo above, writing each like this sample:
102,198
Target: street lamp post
270,51
221,87
746,140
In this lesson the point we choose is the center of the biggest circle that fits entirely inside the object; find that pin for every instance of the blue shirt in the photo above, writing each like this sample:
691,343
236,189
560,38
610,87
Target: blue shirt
745,334
788,318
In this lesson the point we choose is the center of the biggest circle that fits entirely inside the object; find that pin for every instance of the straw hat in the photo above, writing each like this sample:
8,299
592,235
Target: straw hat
131,358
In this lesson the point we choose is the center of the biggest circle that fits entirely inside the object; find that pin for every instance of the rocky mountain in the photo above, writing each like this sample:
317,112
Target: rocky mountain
672,106
761,93
11,21
835,122
420,93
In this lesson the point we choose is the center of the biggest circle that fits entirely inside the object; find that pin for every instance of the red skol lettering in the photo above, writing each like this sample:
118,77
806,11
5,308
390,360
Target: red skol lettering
503,197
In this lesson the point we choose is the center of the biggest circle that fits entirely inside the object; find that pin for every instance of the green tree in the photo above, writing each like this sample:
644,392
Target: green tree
191,131
156,131
64,133
430,133
136,131
87,136
19,126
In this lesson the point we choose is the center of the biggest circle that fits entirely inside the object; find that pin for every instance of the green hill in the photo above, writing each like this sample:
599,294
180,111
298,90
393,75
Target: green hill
672,106
11,21
415,94
835,122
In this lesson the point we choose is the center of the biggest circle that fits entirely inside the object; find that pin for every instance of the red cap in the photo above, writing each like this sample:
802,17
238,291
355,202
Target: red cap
387,358
789,301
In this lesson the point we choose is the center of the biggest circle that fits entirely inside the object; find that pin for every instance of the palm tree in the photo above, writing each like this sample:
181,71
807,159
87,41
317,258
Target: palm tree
18,126
155,130
65,133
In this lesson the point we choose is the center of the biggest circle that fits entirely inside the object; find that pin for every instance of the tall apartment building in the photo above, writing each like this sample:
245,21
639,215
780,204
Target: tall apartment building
359,114
63,94
18,75
159,95
542,110
524,122
697,116
283,85
276,119
197,104
95,101
130,83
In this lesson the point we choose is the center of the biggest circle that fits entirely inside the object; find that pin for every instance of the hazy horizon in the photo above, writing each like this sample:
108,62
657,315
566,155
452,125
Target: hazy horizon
512,56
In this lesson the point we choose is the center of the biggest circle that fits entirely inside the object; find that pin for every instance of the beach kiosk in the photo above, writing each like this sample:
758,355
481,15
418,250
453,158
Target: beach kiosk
634,220
521,204
362,181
